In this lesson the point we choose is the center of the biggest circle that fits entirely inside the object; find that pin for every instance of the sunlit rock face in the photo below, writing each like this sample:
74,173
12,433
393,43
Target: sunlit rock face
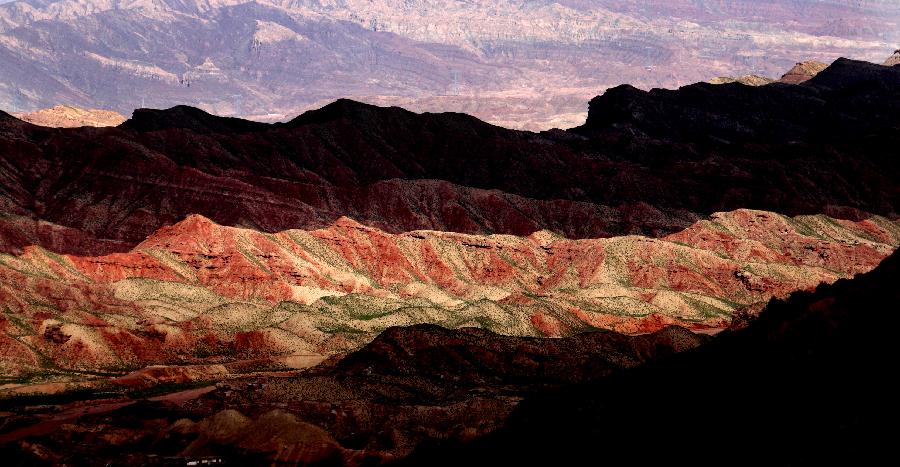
62,116
198,290
894,59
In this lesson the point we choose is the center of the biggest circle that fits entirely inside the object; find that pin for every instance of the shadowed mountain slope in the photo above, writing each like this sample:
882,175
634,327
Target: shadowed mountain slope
410,385
808,383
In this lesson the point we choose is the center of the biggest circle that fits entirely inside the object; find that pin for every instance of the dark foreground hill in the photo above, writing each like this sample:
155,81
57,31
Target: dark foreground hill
409,386
809,383
644,163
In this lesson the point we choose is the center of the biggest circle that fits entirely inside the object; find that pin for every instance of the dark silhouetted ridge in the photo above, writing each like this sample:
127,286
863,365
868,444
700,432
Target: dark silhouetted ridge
346,109
189,118
377,121
848,99
477,355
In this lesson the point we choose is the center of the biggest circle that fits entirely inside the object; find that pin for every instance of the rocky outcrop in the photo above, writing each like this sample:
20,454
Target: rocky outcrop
894,59
802,72
749,80
63,116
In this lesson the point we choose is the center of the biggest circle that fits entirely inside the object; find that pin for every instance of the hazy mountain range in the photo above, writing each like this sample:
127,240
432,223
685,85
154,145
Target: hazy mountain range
524,64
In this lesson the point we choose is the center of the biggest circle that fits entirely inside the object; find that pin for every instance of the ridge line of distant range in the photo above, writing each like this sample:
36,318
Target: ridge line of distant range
66,116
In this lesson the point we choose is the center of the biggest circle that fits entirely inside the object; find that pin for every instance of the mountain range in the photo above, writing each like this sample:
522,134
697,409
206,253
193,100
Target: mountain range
519,64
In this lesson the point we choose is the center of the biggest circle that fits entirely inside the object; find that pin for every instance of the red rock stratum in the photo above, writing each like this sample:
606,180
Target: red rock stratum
199,292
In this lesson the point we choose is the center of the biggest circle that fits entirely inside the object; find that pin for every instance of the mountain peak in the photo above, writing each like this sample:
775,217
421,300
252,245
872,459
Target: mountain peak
189,118
343,109
182,233
802,72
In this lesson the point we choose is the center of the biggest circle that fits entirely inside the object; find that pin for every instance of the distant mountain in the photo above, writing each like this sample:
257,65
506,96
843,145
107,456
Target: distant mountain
802,72
749,80
526,64
62,116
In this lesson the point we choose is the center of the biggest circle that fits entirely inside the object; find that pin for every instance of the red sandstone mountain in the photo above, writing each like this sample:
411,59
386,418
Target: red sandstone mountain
153,299
198,292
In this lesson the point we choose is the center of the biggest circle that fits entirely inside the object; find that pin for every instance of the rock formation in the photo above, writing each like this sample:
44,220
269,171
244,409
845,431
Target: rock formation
810,368
749,80
810,372
802,72
63,116
894,59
